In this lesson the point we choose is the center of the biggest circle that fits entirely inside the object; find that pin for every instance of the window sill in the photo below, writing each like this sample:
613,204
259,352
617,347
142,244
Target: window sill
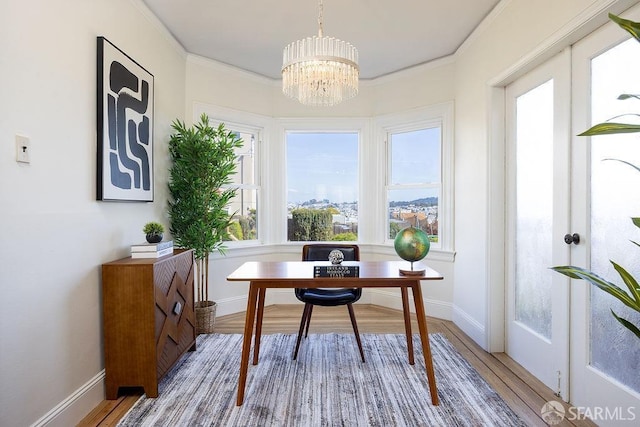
295,249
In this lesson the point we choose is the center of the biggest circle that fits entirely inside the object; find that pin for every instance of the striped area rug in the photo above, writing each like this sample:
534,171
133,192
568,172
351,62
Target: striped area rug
327,386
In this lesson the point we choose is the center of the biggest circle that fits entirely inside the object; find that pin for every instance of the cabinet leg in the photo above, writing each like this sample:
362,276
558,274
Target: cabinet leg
151,390
111,390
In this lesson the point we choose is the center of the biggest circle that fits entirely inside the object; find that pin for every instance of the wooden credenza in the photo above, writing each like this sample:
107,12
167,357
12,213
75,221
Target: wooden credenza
148,319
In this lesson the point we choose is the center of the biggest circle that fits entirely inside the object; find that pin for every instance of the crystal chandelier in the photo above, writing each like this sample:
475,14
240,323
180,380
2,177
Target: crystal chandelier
320,71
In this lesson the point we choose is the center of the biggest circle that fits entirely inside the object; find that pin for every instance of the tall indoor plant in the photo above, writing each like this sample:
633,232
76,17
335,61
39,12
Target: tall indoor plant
632,298
204,162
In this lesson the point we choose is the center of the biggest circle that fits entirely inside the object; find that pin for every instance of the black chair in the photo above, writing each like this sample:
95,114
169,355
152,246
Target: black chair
329,297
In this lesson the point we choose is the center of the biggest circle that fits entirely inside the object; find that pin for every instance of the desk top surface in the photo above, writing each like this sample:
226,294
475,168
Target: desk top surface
371,271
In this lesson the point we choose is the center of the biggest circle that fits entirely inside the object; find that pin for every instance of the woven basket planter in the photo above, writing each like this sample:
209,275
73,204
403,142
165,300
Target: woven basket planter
205,316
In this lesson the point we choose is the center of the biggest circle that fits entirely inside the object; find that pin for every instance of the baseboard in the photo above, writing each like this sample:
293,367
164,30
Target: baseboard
75,407
433,308
470,326
231,305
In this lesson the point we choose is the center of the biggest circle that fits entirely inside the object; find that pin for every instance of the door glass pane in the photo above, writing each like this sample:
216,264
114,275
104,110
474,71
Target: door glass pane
615,198
534,203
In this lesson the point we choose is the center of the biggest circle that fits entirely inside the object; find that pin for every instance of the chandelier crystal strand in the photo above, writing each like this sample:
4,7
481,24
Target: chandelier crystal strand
319,70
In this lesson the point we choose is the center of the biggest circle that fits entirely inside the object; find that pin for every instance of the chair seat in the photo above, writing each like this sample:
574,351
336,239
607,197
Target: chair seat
329,297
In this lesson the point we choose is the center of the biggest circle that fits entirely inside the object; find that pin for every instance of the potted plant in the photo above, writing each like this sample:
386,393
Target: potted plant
631,298
153,232
204,162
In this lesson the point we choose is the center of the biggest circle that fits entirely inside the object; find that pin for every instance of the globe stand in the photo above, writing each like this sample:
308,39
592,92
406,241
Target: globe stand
412,272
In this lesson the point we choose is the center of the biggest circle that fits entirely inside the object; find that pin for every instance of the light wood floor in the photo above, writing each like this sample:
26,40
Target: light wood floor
522,392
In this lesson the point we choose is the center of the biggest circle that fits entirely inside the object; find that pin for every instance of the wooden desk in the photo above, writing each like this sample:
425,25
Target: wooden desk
299,274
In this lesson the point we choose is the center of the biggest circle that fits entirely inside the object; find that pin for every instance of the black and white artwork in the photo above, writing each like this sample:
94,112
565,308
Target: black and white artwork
125,127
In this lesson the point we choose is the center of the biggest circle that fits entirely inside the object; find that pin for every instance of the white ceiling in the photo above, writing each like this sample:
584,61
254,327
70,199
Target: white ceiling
389,35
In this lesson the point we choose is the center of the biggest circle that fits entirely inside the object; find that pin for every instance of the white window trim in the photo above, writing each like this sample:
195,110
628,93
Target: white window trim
441,115
246,123
271,151
336,125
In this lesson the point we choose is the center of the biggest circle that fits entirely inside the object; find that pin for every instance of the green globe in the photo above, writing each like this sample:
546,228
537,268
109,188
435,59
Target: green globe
411,244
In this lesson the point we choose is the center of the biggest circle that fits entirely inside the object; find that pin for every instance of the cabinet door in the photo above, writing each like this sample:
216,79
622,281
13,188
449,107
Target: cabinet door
174,316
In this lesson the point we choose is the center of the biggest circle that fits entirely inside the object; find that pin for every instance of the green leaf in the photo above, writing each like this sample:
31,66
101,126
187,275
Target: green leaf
631,27
594,279
628,96
636,222
633,328
630,281
609,128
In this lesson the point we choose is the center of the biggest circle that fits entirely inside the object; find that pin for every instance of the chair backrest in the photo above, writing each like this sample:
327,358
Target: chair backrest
320,251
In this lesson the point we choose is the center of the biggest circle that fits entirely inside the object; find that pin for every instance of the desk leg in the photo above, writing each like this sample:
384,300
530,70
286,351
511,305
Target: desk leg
256,343
407,323
246,342
424,338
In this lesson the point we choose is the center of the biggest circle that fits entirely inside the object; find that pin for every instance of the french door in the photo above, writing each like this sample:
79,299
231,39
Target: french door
562,185
538,119
605,357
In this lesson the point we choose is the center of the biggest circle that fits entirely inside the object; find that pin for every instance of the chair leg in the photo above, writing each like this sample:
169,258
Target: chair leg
303,322
355,330
306,331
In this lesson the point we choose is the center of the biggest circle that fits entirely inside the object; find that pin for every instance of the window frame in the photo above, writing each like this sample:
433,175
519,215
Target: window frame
257,126
439,115
372,175
358,165
361,127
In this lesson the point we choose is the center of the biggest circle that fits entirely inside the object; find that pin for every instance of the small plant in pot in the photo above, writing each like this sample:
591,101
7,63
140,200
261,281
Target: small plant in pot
153,232
204,162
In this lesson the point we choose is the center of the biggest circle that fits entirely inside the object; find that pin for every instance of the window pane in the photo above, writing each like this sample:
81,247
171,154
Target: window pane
413,190
613,202
322,186
534,208
417,207
415,156
244,208
245,170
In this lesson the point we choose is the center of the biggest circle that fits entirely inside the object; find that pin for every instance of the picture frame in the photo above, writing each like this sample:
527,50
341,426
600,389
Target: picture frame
125,101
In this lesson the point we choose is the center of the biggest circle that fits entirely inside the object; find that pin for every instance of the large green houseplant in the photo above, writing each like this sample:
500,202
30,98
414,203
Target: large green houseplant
632,298
204,162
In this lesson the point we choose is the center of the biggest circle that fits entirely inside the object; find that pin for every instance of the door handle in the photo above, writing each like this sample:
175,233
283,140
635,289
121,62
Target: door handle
572,238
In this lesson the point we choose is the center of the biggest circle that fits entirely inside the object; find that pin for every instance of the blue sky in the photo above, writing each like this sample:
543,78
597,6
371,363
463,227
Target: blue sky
322,166
325,165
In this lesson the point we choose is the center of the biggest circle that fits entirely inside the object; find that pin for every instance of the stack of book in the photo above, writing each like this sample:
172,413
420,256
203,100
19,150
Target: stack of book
152,250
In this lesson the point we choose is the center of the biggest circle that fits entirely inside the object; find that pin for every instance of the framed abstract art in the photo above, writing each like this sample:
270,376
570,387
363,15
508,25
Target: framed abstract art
125,127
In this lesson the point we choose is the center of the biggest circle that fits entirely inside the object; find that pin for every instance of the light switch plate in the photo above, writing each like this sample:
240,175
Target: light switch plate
23,149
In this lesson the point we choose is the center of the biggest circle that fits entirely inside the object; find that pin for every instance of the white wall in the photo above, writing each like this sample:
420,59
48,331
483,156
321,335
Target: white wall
55,234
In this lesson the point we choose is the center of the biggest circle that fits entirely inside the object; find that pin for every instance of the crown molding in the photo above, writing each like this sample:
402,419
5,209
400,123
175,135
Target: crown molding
231,69
482,27
412,71
153,19
580,26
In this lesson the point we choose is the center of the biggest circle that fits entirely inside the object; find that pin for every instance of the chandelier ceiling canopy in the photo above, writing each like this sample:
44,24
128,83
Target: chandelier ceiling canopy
319,70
